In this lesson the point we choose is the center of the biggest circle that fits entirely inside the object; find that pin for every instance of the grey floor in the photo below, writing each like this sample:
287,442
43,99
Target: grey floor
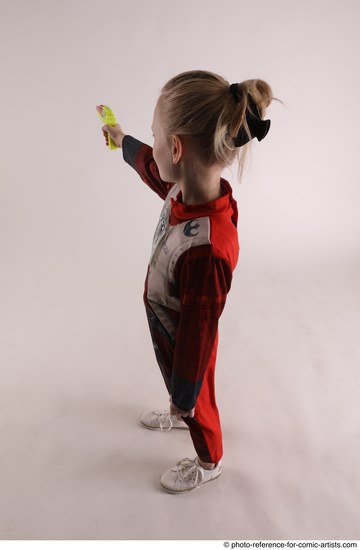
77,370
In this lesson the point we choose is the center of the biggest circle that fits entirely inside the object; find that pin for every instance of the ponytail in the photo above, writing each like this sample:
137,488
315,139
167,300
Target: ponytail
220,120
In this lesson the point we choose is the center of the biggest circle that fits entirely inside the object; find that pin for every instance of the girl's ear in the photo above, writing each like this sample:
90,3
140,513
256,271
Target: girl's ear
177,148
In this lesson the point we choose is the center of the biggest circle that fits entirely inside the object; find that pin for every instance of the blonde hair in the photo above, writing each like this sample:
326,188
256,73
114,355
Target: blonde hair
199,104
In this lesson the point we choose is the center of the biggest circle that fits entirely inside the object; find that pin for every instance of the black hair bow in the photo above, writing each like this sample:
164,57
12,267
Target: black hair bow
258,127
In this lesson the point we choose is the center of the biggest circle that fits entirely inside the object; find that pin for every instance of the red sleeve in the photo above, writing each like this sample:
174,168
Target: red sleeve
204,281
140,157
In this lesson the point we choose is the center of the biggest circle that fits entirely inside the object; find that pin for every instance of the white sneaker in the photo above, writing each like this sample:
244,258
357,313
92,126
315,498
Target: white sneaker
161,420
188,475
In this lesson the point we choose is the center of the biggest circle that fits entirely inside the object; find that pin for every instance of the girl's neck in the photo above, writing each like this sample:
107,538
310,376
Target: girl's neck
192,194
200,186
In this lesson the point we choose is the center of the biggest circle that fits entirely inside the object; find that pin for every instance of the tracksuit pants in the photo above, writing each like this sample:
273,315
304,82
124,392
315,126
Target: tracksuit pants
204,427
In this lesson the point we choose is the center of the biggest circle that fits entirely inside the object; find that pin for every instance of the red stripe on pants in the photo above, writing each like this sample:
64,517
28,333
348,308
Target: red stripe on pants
205,427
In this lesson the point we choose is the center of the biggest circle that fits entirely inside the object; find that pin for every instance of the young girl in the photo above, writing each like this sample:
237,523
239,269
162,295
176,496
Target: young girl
199,123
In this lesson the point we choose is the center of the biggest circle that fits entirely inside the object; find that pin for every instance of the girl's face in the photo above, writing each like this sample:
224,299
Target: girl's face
161,148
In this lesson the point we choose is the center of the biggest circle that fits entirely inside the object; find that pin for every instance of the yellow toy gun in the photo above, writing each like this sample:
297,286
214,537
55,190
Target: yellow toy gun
107,117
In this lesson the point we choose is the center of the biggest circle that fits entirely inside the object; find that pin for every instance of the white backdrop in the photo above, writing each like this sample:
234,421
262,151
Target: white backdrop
77,365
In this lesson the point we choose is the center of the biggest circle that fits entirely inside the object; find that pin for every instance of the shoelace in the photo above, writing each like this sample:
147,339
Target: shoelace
163,417
188,470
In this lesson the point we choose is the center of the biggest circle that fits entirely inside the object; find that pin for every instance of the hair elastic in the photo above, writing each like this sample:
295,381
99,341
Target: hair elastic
258,127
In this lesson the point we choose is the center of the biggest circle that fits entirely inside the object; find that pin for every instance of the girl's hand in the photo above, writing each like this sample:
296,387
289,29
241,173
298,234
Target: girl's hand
174,411
115,133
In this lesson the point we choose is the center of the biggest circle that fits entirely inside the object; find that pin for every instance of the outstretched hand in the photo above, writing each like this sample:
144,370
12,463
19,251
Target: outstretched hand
113,130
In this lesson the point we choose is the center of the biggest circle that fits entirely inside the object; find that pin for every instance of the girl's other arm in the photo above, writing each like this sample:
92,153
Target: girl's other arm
204,281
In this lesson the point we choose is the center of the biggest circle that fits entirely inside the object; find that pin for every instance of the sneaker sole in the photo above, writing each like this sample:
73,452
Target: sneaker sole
165,429
191,488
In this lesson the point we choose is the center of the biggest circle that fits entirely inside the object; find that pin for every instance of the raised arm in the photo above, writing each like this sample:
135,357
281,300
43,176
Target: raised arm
140,157
137,154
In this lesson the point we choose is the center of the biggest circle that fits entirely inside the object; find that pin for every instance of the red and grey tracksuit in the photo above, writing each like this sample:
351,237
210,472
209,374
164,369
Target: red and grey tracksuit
194,253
